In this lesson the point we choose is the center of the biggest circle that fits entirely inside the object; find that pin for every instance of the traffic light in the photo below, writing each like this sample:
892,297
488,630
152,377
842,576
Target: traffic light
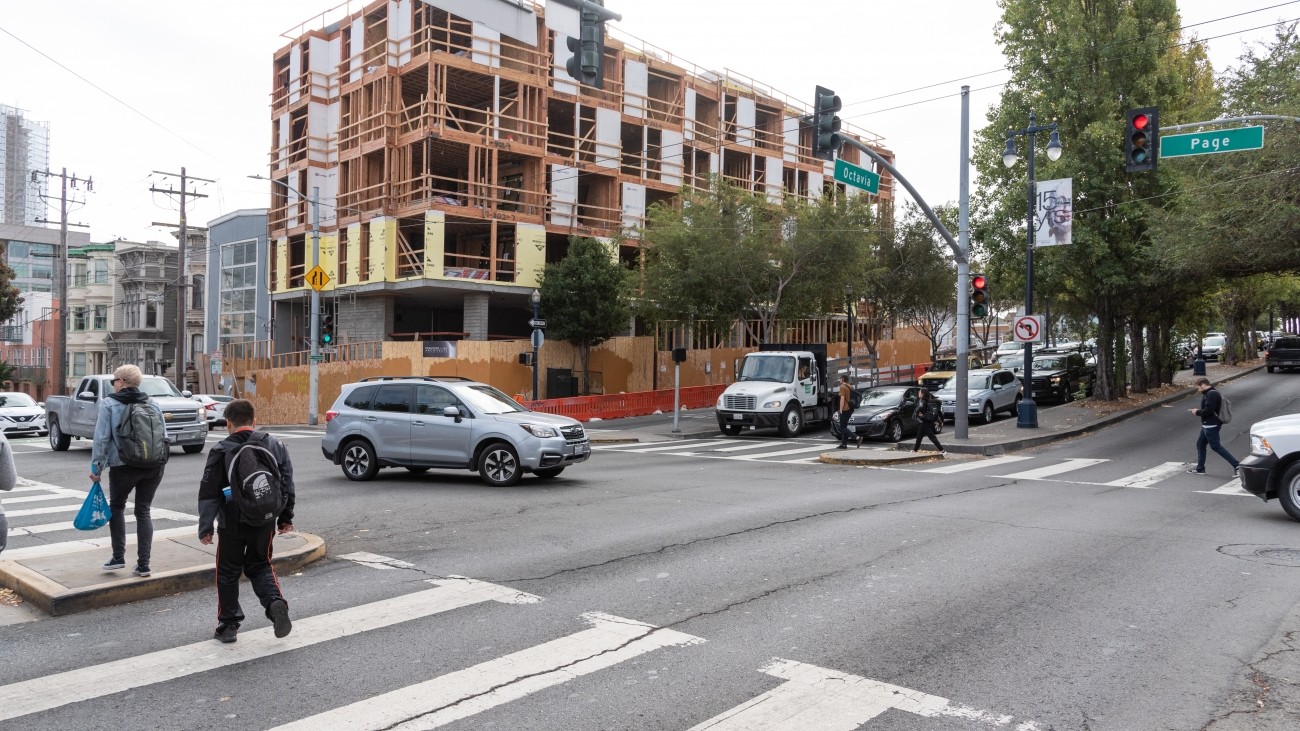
1141,139
588,62
979,296
826,125
327,330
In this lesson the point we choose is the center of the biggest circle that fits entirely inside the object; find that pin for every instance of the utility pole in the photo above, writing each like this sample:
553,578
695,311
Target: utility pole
182,275
60,366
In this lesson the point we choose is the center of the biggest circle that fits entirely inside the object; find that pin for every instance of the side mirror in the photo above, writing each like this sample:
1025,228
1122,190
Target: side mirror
41,404
86,396
186,394
453,412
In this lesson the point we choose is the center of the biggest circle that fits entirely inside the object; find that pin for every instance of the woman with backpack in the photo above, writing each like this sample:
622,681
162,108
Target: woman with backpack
126,403
927,412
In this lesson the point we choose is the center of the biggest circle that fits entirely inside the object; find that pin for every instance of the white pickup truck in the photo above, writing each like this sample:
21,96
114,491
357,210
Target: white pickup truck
74,416
786,389
1272,469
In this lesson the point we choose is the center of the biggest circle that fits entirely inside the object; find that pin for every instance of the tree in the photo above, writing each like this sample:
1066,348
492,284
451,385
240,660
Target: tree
926,279
585,298
11,299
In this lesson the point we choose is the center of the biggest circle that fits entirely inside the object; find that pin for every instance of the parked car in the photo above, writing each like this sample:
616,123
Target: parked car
1058,374
988,392
1283,353
944,368
422,422
1211,346
214,407
21,414
1272,469
885,412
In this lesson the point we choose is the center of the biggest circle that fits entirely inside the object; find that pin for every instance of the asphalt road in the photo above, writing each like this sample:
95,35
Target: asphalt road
1089,584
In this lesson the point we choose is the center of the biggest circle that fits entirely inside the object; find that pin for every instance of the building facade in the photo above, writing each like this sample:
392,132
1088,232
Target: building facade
237,309
450,156
27,344
90,304
24,148
142,327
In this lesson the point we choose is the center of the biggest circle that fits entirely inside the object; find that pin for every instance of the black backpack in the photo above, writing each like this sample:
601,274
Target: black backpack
142,437
855,398
255,483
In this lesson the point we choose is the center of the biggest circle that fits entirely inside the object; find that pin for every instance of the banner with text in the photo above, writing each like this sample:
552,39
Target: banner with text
1054,212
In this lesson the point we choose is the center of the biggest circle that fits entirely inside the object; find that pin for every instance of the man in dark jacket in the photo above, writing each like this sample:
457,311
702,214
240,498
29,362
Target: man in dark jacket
1211,402
242,548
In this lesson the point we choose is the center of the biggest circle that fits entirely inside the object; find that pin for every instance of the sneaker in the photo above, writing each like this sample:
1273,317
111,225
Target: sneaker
1195,472
141,571
942,453
843,446
114,564
279,610
1236,472
226,633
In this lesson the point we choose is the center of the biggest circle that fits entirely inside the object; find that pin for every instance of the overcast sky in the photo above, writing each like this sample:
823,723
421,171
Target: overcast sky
188,83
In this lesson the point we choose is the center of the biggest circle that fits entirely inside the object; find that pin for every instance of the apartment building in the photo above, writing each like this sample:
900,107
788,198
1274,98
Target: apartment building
24,148
452,156
90,303
27,344
142,323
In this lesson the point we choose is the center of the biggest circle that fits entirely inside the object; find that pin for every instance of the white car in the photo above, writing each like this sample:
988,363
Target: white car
988,392
214,407
21,414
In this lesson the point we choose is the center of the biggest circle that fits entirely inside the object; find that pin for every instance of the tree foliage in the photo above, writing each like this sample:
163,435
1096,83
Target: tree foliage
585,298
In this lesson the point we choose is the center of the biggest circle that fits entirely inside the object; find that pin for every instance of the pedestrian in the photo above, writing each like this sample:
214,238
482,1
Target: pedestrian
846,410
1211,403
123,479
8,478
244,547
926,413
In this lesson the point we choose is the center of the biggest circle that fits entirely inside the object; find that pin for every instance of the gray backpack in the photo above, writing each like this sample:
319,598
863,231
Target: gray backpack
142,437
1225,409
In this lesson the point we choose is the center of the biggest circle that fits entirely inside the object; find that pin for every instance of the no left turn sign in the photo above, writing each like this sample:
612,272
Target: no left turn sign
1028,328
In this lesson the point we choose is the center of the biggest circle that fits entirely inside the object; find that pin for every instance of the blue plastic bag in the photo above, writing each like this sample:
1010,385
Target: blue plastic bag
94,512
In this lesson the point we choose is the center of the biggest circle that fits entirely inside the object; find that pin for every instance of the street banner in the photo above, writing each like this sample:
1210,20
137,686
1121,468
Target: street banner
1053,212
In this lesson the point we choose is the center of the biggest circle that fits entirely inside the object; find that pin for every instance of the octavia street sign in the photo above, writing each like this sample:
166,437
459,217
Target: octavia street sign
858,177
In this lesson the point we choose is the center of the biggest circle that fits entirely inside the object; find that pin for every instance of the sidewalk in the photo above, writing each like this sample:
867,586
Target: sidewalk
1000,437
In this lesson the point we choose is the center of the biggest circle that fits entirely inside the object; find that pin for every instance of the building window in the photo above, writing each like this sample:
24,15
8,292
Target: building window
78,364
151,315
196,299
133,316
101,271
196,345
78,319
101,317
236,316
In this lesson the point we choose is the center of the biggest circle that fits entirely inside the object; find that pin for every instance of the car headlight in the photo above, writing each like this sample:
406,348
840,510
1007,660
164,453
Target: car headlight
719,404
774,404
975,401
1259,445
540,431
882,416
1056,380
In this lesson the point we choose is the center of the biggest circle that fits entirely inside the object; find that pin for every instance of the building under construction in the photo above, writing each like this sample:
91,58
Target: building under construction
453,156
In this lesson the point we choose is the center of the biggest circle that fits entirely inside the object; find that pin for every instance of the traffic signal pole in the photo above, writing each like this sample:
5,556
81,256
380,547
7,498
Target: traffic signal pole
960,415
313,379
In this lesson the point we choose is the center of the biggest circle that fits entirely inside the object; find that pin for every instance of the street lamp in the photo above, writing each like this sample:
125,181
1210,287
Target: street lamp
536,299
313,380
1027,417
848,299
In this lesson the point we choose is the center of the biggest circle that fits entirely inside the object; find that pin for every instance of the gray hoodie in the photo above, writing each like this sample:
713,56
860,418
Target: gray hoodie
8,478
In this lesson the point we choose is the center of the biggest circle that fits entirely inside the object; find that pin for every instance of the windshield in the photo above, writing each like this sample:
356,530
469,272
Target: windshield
947,364
15,399
977,383
1052,363
881,397
778,368
1210,342
487,400
155,386
1011,362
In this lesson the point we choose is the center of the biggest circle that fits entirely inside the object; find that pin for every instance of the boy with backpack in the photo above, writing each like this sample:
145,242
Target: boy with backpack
247,489
131,443
1215,411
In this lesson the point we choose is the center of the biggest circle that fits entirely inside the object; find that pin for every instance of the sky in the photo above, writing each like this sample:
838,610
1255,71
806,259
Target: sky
130,87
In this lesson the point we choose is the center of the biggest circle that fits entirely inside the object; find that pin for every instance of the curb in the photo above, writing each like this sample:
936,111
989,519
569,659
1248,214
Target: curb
859,461
56,599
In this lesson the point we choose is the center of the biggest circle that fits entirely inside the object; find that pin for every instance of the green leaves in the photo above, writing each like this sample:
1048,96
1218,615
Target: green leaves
585,294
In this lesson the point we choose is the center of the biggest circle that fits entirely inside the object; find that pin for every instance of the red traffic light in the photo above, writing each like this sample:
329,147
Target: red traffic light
978,282
1141,121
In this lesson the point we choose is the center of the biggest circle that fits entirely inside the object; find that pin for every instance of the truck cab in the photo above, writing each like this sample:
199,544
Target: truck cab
782,389
69,417
1272,469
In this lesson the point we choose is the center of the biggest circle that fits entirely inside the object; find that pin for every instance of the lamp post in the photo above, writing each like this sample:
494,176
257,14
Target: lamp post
848,299
536,298
1027,417
313,379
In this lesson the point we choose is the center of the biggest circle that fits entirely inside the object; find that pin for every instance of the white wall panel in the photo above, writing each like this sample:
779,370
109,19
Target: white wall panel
746,117
671,157
773,181
487,46
609,137
636,85
633,205
688,115
564,195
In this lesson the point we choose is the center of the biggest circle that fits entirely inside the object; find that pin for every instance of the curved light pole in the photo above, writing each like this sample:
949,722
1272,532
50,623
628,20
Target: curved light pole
1027,417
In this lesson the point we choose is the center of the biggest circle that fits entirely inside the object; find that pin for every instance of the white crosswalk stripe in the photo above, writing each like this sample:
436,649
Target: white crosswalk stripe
1232,487
950,469
781,451
1069,465
1148,478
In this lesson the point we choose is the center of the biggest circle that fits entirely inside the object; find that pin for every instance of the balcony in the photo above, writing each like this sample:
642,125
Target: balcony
11,333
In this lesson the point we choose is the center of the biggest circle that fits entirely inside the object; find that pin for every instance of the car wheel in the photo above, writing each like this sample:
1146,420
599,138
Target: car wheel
1270,369
548,472
417,470
791,421
58,440
989,413
1288,491
498,465
1068,395
895,432
359,462
731,430
192,448
1014,409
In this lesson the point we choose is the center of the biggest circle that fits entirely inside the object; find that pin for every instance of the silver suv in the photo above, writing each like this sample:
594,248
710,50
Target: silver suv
420,422
988,392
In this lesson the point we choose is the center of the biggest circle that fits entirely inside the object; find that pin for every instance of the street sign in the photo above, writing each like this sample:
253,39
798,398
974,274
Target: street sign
858,177
1028,328
539,337
318,278
317,358
1209,143
537,324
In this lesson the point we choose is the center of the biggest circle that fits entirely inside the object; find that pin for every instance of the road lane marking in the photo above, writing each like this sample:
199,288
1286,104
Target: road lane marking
1068,465
1149,477
88,544
74,686
31,530
1228,488
464,693
635,448
964,466
817,699
375,561
743,447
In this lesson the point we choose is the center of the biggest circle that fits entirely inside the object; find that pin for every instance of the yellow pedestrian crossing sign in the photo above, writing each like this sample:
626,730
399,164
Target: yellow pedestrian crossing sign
318,278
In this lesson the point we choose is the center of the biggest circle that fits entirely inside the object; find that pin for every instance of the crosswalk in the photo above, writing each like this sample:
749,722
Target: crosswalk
807,697
787,451
40,521
29,445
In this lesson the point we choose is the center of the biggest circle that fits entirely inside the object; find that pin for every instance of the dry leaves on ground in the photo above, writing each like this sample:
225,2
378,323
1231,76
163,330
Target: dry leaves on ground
9,599
1132,401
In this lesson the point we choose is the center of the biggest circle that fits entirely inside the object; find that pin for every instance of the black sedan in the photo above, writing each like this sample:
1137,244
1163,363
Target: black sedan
886,412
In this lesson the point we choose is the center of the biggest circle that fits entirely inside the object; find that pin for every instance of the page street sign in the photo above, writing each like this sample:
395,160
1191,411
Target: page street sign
1209,143
851,174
